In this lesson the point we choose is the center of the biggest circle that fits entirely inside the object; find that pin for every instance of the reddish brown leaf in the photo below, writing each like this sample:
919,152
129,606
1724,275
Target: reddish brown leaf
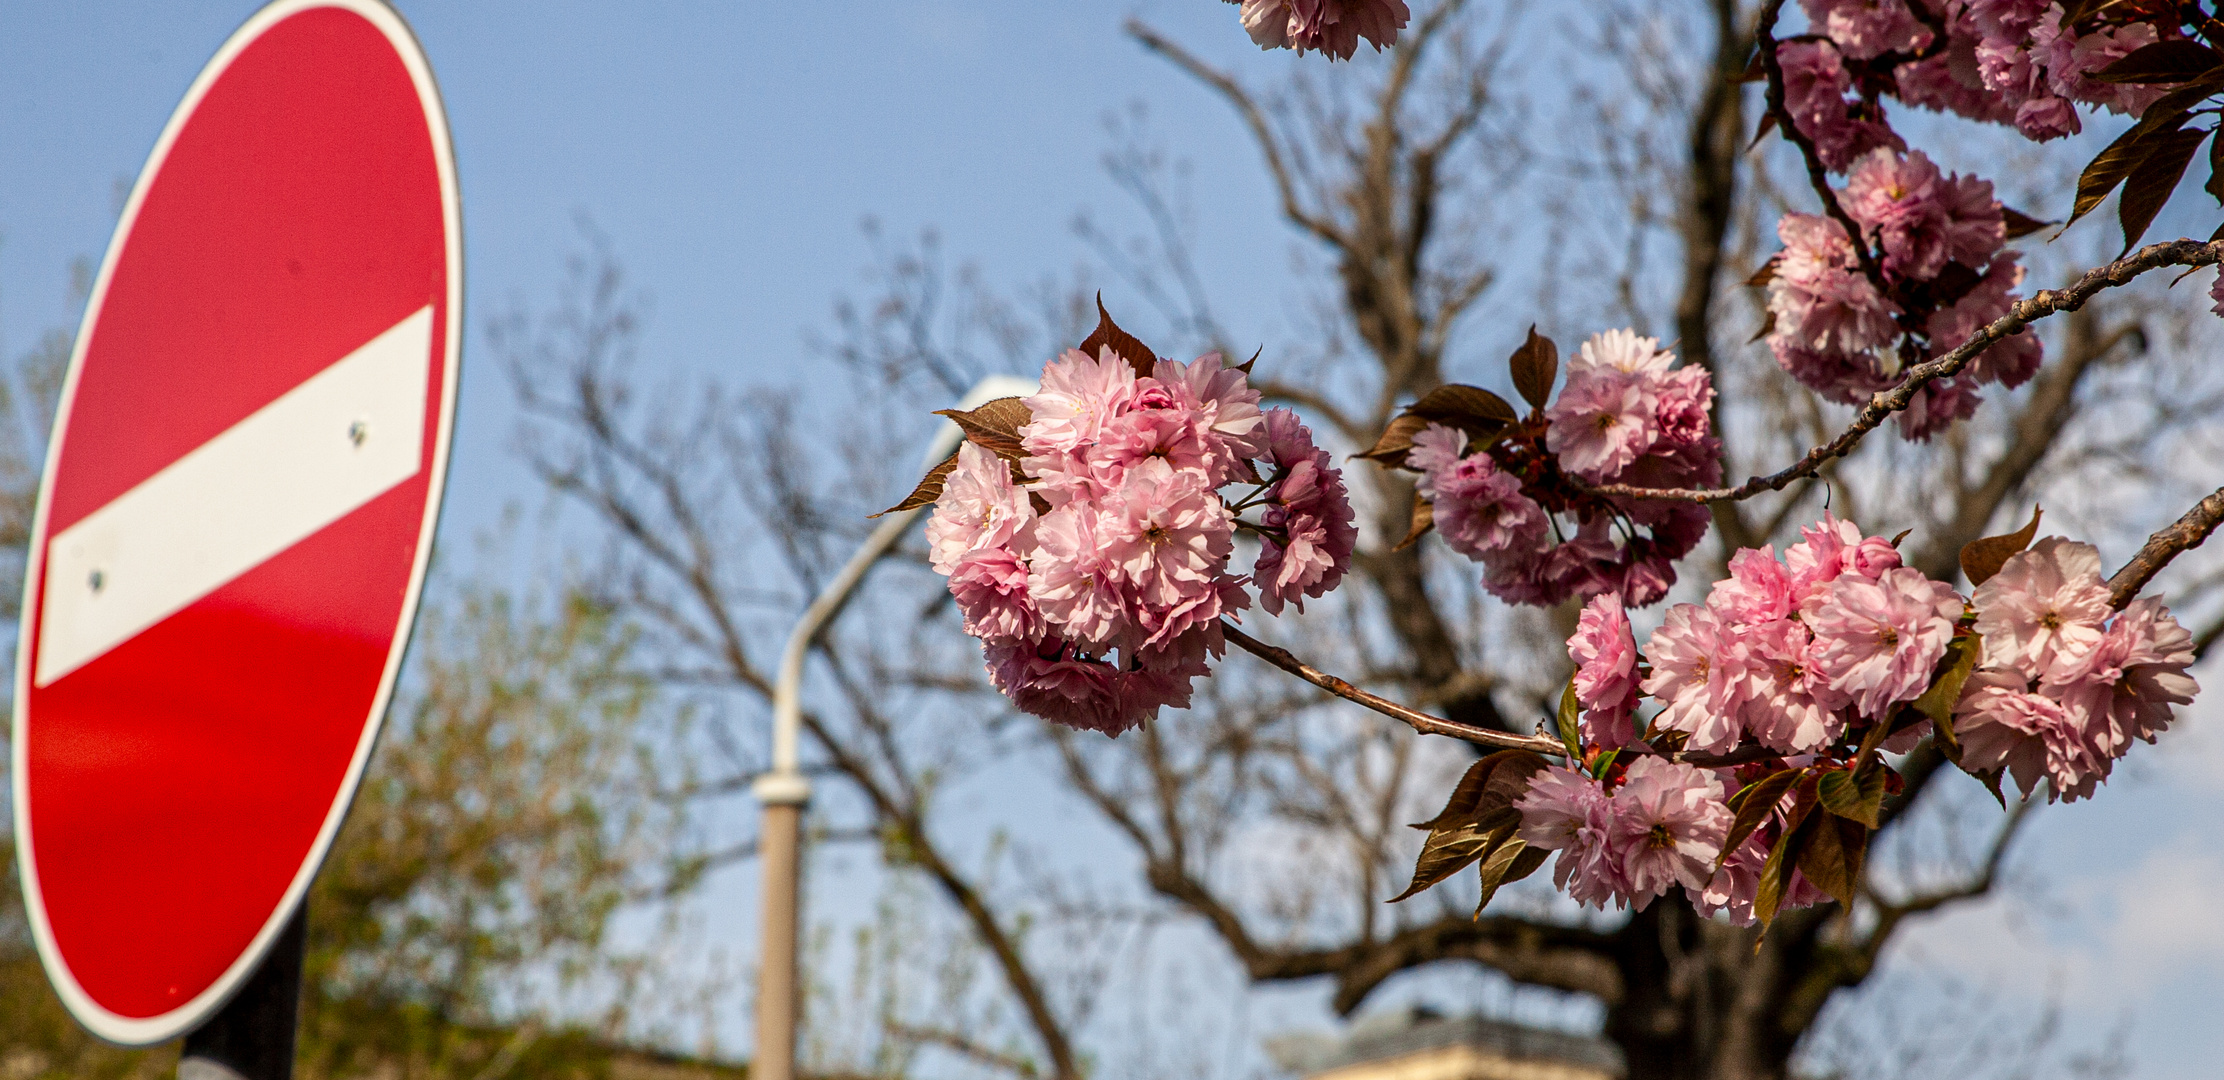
1466,795
1123,344
2020,224
1535,365
1245,367
1753,804
2151,181
1448,850
1424,519
1980,559
1396,441
1472,409
1510,862
1767,272
929,489
2108,169
2173,61
993,427
1831,858
1761,130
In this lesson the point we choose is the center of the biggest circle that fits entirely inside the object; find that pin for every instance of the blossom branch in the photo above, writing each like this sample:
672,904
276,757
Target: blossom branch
1818,177
1414,718
1881,406
2185,534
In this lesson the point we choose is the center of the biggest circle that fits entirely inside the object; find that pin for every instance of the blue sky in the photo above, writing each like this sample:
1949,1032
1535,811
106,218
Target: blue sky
730,151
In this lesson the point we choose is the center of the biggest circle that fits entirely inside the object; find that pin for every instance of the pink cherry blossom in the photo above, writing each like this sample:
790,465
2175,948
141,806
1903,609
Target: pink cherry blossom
1224,408
1076,586
2046,604
1330,26
1566,811
1699,668
1605,656
1048,678
1831,547
1480,511
1669,823
2032,736
1864,29
1936,407
1876,641
1622,351
1684,400
1309,507
1758,591
1819,295
1848,378
1815,87
1078,393
1920,218
1789,706
2124,686
1734,886
1602,420
990,586
980,506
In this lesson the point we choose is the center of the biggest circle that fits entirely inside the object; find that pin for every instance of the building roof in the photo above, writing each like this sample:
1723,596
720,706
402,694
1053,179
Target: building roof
1405,1033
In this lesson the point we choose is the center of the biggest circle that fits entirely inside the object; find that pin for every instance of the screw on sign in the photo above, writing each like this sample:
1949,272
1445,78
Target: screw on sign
233,527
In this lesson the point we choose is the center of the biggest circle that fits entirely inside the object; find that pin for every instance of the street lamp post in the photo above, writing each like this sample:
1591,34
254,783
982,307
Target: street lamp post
784,791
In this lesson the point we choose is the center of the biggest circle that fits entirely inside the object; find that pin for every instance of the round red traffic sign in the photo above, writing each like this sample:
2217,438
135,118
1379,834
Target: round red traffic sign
236,513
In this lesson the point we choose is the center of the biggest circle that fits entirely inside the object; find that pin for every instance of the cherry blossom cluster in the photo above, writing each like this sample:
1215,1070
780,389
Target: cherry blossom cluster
1626,414
1817,658
2067,682
1093,560
1652,825
1938,242
1936,239
1333,27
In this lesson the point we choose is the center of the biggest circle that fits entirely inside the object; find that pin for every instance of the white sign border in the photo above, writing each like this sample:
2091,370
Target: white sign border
144,1031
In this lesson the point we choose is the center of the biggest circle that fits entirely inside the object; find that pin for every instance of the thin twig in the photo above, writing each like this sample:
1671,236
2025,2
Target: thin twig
1881,406
1414,718
2185,534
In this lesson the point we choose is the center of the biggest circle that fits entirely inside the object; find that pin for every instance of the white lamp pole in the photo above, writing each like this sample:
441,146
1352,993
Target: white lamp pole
784,791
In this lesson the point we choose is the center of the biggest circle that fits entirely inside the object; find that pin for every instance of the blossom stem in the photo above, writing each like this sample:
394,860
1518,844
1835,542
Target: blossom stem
1817,176
1419,721
1881,406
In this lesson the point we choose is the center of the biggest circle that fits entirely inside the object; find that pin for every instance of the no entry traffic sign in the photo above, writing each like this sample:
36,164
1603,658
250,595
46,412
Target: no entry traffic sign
236,513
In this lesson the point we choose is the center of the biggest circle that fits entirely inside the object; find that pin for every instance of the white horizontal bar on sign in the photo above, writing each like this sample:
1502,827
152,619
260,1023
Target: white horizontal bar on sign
340,439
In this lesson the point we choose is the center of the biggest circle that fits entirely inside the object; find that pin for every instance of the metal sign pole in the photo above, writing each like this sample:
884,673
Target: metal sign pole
252,1038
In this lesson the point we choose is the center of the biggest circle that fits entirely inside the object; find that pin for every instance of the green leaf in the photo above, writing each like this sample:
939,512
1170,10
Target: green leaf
1945,691
1854,794
1605,762
1980,559
1753,804
2151,182
1535,365
1776,873
1508,863
1570,734
929,489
